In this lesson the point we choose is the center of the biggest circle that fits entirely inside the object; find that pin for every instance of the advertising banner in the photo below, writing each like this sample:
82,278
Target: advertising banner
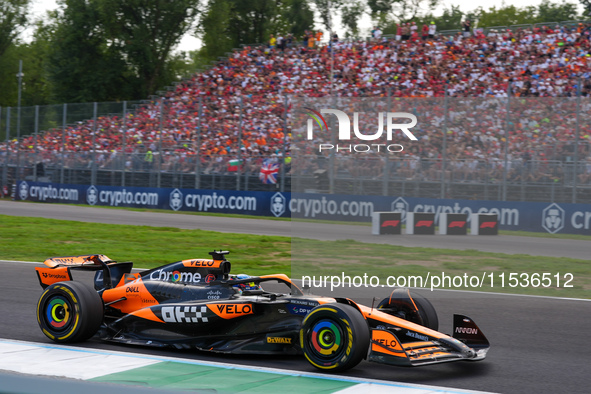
553,218
191,200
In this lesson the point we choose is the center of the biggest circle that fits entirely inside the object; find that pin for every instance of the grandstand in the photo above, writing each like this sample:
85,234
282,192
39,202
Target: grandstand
511,103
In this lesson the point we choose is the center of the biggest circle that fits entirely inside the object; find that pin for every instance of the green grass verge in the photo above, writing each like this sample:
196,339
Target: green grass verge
349,257
35,239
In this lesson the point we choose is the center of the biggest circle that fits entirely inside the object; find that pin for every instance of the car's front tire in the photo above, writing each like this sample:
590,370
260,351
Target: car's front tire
69,312
334,337
410,306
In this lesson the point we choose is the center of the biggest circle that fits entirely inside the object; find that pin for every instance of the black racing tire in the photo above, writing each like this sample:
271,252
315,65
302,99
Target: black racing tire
334,337
427,316
70,312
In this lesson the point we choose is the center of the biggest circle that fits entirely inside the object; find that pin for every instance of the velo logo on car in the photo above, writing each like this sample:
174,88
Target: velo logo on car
202,263
345,130
230,311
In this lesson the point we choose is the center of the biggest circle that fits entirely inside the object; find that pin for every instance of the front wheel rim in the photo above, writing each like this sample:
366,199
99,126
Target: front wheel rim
326,338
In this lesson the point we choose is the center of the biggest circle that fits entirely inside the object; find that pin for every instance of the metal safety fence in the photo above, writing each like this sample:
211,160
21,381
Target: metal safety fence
500,148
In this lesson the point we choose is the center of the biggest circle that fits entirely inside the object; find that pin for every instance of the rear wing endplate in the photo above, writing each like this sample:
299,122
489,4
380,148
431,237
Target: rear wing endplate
59,270
78,261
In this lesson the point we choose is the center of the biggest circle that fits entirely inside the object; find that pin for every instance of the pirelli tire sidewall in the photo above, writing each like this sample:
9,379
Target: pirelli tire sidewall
69,312
334,337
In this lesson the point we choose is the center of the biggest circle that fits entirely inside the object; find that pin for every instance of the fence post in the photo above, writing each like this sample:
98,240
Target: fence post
94,119
5,169
284,156
577,135
124,131
331,158
35,150
239,156
18,120
444,153
506,142
5,153
386,164
63,158
198,148
160,128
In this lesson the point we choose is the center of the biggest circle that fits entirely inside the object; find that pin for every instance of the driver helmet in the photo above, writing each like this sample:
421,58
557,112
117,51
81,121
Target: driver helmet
245,286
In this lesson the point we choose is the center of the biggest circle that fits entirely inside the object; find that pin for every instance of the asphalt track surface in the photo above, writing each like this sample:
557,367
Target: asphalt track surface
554,247
538,345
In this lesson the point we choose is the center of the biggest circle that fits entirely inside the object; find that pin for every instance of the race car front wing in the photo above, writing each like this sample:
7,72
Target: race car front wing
468,343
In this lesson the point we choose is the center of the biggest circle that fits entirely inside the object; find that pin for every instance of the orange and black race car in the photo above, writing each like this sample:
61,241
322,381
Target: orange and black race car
199,304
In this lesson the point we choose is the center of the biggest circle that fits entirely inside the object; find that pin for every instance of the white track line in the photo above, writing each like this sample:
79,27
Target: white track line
81,363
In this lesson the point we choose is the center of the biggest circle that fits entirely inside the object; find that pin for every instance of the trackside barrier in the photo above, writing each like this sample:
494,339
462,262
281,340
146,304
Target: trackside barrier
386,223
484,224
542,217
176,199
453,224
420,223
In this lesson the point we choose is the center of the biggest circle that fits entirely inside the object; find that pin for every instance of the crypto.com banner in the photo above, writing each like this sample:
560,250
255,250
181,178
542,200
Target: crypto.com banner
192,200
515,216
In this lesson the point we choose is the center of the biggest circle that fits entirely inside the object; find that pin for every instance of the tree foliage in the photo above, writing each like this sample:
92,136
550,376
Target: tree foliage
144,32
299,15
82,65
226,24
503,16
352,12
13,19
506,15
384,11
557,12
36,89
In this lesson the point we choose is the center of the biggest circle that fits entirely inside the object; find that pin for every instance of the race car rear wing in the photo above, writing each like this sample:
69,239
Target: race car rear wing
78,261
109,274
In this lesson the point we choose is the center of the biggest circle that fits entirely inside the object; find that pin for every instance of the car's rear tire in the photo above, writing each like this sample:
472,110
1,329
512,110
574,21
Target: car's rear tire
401,304
334,337
69,312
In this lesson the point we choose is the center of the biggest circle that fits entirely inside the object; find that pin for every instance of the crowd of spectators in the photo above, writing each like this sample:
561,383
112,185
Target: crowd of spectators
239,109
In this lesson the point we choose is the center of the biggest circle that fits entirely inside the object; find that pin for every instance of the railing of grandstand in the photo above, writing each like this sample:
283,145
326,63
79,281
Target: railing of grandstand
535,180
155,144
178,140
489,29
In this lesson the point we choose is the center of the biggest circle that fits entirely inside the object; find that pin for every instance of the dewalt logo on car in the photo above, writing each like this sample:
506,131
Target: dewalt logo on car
282,340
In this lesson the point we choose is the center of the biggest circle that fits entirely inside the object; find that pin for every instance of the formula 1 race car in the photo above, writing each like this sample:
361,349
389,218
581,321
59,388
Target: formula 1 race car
199,304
